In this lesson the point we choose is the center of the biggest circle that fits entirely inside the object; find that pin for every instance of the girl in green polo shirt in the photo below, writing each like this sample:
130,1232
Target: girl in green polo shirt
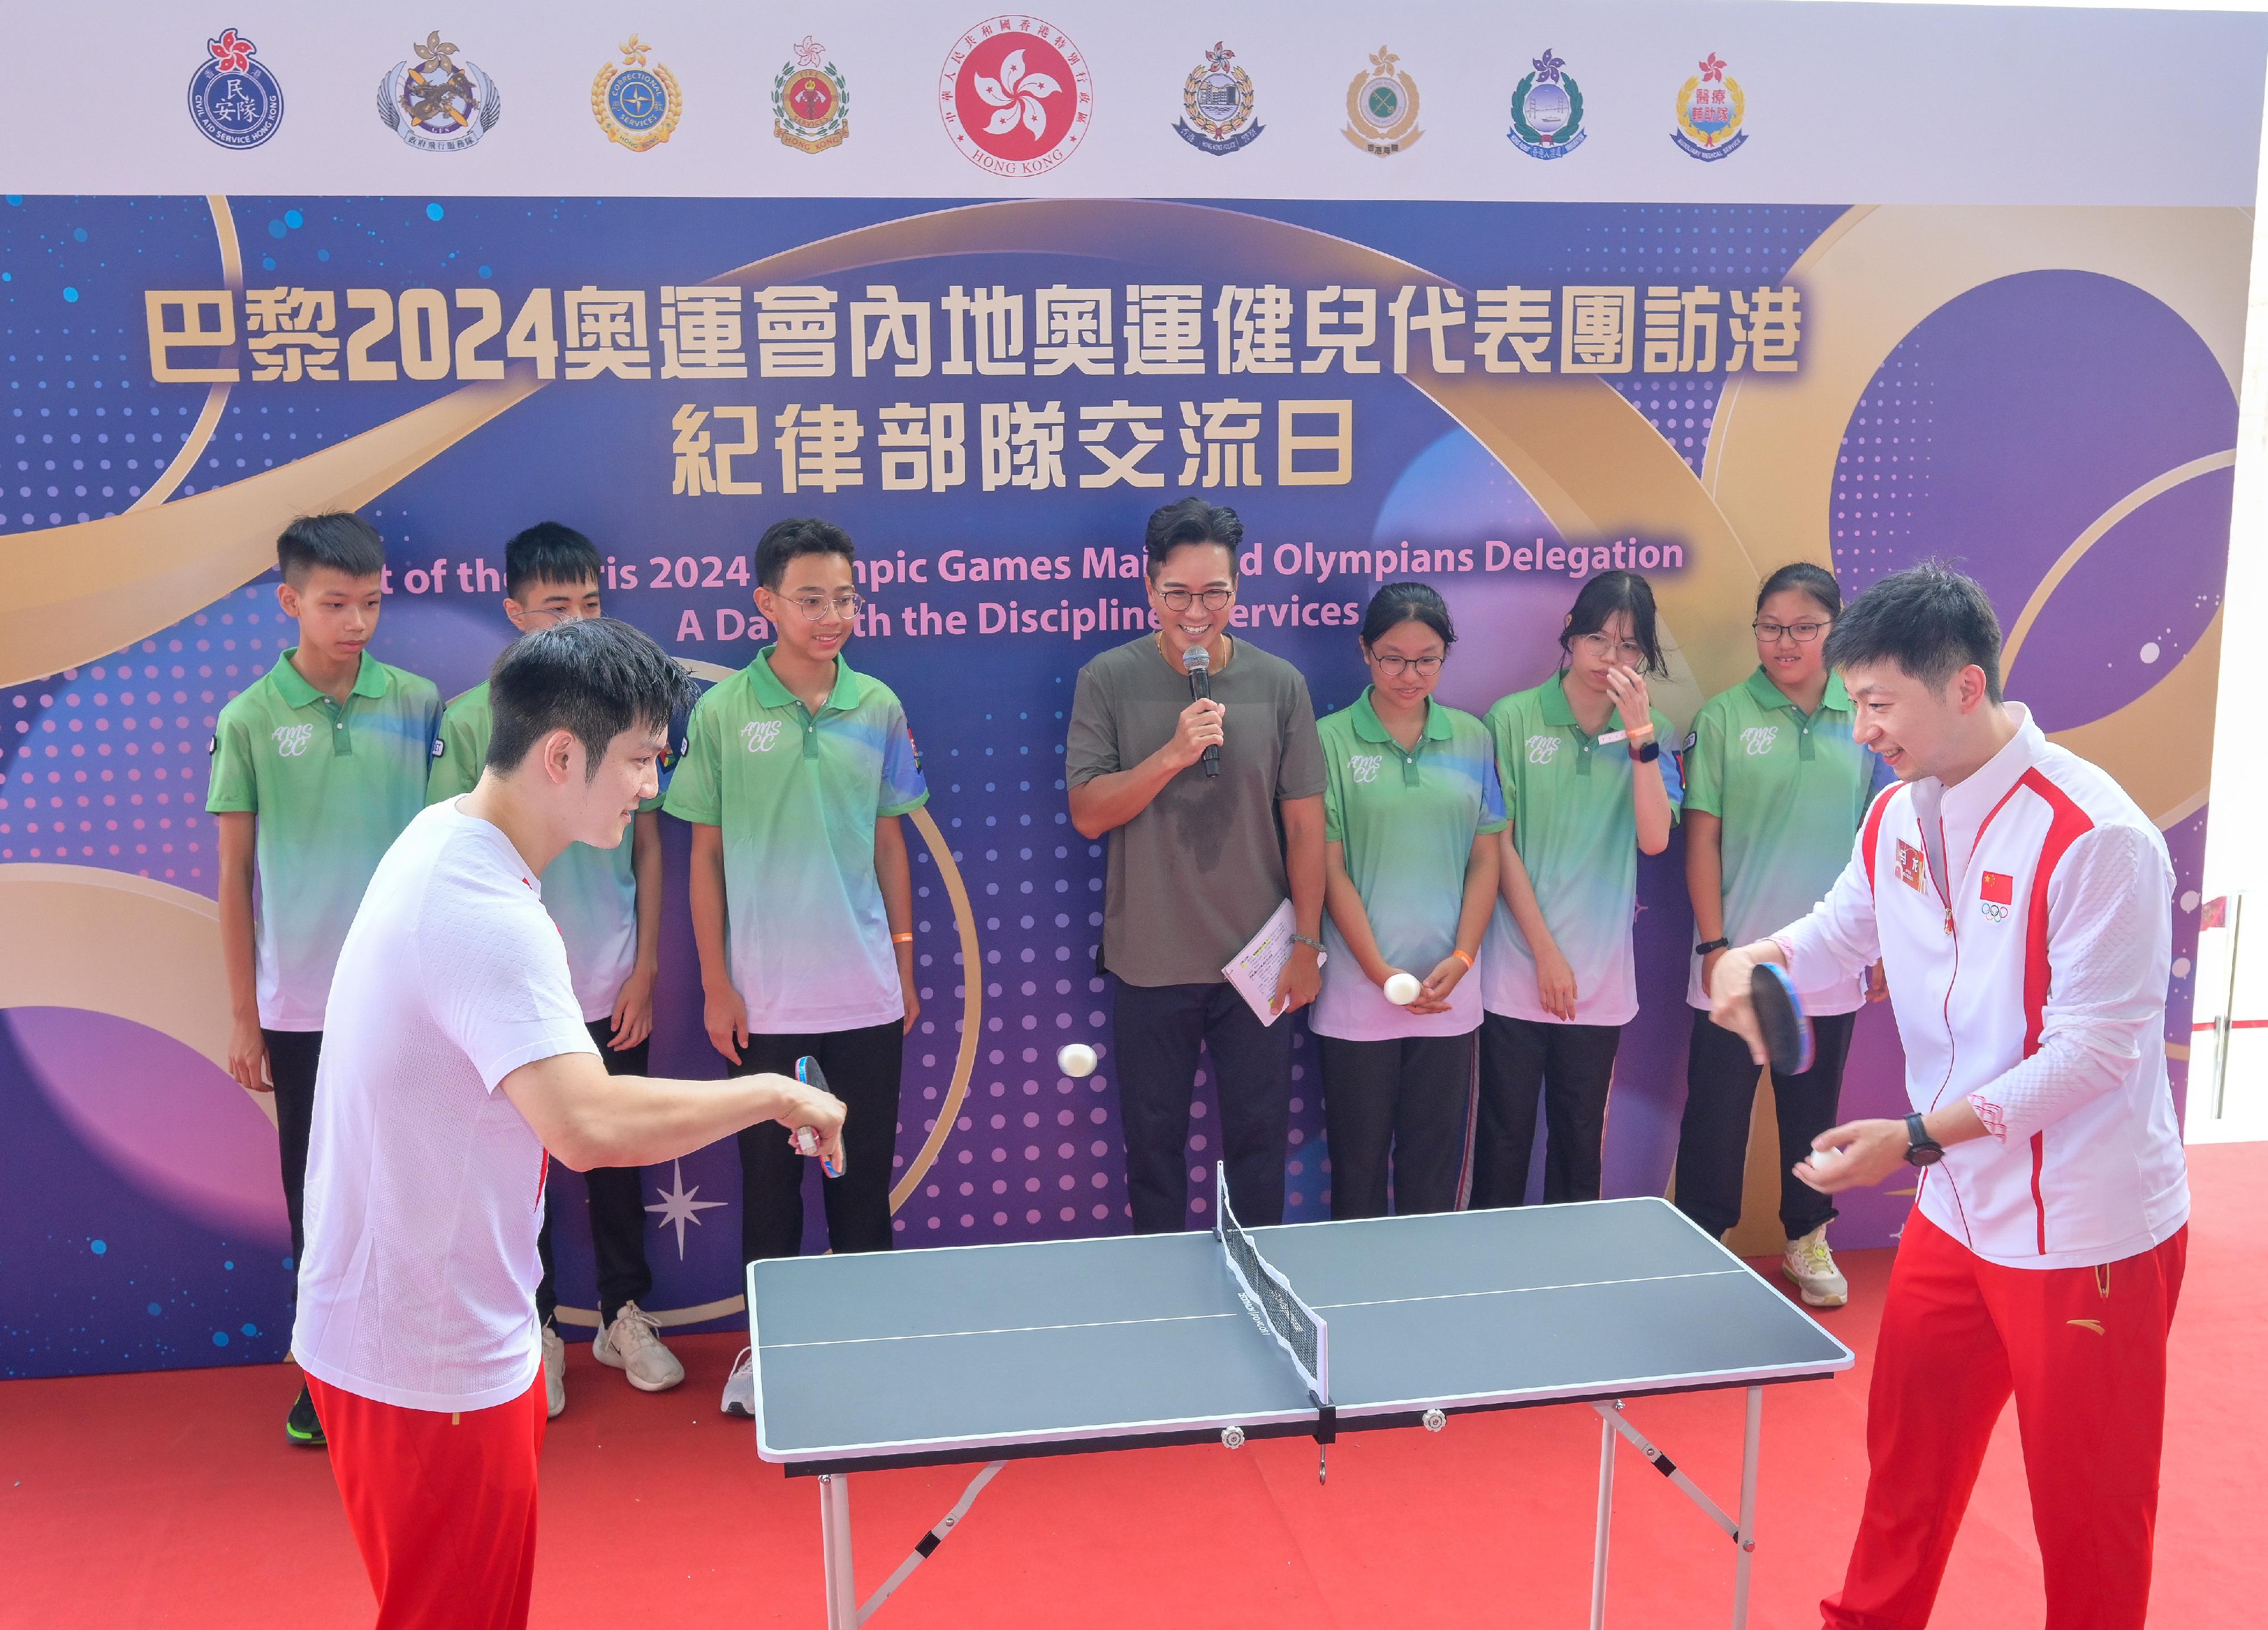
1411,808
1589,788
1778,792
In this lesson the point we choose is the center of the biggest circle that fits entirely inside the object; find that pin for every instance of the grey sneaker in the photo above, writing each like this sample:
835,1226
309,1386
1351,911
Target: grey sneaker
740,1388
1808,1262
630,1346
555,1374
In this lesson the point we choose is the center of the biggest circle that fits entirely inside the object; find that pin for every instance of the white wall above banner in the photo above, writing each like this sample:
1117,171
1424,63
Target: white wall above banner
1233,98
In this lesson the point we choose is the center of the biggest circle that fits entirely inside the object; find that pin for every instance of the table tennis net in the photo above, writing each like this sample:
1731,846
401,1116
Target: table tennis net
1298,1329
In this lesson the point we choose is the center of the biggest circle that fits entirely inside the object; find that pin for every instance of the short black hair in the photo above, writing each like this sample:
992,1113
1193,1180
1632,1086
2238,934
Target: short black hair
1805,578
593,678
1599,599
550,553
802,535
1190,520
1929,620
1397,603
341,540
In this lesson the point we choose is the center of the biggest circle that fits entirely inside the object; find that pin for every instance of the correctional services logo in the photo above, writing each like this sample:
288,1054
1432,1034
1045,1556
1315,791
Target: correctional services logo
1543,749
1382,107
1758,739
759,734
1364,767
1547,110
1217,103
439,106
811,103
291,739
235,100
1016,96
636,105
1996,895
1709,109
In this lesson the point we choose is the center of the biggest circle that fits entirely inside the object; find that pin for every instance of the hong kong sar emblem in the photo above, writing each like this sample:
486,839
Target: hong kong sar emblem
439,105
1547,110
1016,96
1709,109
636,105
1382,107
235,100
1216,104
811,103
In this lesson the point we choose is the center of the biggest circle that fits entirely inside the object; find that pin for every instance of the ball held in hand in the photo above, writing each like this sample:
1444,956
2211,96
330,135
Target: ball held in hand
1401,989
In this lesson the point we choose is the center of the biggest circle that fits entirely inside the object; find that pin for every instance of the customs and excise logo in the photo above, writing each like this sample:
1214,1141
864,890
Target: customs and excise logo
636,105
811,101
1216,104
439,105
1016,96
1382,107
234,99
1710,108
1547,110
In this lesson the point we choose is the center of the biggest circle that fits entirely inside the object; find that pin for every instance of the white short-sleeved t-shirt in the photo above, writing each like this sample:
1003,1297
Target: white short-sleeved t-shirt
425,1184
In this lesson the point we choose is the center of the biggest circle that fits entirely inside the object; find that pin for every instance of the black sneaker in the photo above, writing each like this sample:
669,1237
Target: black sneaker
301,1426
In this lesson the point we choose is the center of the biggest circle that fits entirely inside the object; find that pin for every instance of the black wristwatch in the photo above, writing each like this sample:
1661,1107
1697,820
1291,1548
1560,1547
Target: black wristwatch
1648,753
1921,1149
1707,946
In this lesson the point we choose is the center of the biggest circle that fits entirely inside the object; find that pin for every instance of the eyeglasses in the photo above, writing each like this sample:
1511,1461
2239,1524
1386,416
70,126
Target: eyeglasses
815,606
1181,599
1801,633
1395,667
1628,652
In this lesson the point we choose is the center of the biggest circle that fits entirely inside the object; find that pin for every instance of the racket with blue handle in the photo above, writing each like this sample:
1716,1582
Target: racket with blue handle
1781,1020
807,1071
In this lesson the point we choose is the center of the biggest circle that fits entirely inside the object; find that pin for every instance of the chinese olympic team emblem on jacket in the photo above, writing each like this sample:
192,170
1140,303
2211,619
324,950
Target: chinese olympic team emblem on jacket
439,105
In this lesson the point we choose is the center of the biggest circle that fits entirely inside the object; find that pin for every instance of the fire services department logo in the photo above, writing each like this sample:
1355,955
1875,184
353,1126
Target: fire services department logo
811,102
440,105
1382,107
636,105
1710,107
1547,110
1996,895
1217,103
1016,96
235,101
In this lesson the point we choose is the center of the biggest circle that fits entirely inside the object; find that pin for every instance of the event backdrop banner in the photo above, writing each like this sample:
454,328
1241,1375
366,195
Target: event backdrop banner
1663,294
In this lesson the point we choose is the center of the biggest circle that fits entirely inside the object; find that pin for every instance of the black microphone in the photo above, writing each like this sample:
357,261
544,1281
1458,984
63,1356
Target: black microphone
1199,661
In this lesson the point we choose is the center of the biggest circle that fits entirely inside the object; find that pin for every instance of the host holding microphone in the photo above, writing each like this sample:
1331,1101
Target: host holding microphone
1185,747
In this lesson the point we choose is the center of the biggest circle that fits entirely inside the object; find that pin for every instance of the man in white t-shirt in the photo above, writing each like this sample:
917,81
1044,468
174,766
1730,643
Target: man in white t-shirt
456,1057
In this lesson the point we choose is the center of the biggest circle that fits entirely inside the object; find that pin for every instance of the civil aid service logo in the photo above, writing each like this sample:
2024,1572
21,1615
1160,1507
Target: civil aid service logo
234,99
1547,110
1216,104
635,104
439,105
1382,107
1016,96
811,101
1710,108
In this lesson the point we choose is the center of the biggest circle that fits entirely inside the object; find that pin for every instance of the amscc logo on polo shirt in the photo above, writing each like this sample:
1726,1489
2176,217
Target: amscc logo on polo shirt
291,739
1758,739
1543,749
1995,895
759,734
1364,767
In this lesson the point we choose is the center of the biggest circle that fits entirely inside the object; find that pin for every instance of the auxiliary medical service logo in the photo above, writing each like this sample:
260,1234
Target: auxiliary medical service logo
1709,109
636,105
1547,110
1382,107
440,105
1217,103
1016,96
811,103
235,101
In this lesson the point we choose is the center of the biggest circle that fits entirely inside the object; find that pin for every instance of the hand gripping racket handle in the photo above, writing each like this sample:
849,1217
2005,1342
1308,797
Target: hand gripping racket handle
807,1071
1780,1019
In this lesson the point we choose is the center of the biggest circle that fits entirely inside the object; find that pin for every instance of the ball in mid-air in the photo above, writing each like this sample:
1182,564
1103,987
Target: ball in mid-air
1077,1059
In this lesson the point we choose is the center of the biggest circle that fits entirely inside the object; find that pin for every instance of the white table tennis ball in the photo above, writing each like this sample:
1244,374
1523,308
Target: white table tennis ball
1077,1059
1824,1158
1401,989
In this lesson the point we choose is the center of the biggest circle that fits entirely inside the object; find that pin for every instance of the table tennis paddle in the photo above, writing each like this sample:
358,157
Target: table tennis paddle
1780,1019
807,1071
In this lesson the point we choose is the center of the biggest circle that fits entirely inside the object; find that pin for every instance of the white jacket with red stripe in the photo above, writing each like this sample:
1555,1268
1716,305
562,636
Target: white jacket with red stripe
2024,921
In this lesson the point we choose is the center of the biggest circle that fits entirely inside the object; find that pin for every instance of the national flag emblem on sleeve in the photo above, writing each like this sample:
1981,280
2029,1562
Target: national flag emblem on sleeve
1999,889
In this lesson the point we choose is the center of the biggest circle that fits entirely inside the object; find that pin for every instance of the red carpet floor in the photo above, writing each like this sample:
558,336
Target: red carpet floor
171,1499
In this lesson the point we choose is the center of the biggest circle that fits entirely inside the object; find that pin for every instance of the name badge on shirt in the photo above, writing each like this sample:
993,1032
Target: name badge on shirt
1911,866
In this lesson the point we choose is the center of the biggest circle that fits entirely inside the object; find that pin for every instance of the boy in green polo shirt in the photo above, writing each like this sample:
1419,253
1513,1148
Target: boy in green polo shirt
795,774
607,905
316,768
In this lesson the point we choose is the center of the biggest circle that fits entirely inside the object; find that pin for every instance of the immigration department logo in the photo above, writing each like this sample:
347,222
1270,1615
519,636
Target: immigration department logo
1364,767
1543,749
1758,739
1709,109
1217,103
235,101
811,103
1547,110
636,105
760,734
1382,107
1016,96
440,105
291,739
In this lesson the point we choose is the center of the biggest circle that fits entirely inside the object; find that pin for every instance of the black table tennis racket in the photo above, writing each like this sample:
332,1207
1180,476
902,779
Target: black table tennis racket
1780,1017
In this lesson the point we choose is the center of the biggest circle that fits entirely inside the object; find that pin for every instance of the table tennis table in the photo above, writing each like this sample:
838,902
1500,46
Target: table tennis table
993,1352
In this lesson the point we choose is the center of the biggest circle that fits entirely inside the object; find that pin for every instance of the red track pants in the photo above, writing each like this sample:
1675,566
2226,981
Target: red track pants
2084,1351
443,1507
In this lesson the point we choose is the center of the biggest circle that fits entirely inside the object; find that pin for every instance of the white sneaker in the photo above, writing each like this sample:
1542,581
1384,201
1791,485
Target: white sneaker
555,1374
630,1346
1808,1262
740,1388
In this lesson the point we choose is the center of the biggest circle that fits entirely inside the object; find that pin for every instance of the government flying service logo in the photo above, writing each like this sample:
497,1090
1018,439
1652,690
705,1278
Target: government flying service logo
1709,109
1547,110
439,105
1216,104
234,99
811,103
1382,107
1016,96
636,105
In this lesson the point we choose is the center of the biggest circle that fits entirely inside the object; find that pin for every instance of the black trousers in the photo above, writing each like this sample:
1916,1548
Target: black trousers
1158,1030
1720,1094
1400,1103
293,1056
617,1207
1570,1066
864,1069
